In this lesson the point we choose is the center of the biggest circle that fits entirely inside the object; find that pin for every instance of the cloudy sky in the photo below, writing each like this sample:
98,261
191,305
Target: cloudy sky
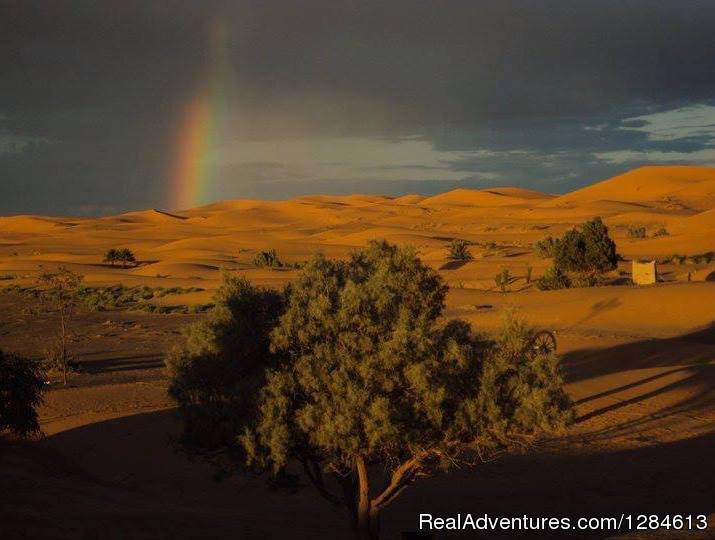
335,96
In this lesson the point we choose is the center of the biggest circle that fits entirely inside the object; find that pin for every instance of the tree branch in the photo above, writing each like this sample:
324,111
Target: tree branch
402,477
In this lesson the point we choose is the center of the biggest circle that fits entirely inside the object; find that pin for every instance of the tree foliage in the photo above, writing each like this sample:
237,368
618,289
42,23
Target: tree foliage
216,374
352,368
369,376
21,386
590,249
125,256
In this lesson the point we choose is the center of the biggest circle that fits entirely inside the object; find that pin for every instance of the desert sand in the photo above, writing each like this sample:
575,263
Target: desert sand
640,361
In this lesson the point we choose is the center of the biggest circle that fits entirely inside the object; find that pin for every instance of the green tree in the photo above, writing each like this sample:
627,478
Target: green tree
370,377
111,256
126,257
61,294
215,376
601,253
590,249
21,386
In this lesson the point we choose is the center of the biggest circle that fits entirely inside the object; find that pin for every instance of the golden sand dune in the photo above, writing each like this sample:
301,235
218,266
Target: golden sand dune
230,233
474,197
674,188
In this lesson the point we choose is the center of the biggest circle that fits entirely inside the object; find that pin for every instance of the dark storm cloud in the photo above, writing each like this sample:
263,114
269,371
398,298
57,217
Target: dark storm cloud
91,92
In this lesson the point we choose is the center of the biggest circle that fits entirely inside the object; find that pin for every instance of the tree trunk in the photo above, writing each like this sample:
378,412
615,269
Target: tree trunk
368,518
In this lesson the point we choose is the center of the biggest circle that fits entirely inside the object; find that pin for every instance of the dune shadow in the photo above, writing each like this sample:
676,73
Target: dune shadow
453,265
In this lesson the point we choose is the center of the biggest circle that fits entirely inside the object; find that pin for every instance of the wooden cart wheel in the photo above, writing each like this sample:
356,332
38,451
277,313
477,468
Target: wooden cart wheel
543,342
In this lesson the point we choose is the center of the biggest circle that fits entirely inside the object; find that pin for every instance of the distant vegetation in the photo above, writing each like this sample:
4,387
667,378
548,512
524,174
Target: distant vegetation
546,247
267,259
353,367
59,294
120,296
698,258
502,279
584,253
21,385
459,250
124,256
636,232
661,232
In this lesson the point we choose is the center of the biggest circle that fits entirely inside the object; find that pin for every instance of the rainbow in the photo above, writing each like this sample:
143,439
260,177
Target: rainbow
202,129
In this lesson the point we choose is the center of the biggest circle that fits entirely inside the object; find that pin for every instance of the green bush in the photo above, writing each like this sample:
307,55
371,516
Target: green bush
459,250
589,250
553,279
661,232
586,280
21,386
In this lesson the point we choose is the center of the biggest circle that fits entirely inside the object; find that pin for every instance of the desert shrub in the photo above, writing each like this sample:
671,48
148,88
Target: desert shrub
502,279
114,297
661,232
702,257
21,386
458,250
589,250
636,232
546,247
7,277
214,376
267,258
582,279
554,278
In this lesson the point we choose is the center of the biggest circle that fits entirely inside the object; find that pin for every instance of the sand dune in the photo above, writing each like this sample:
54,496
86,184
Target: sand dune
674,188
229,233
473,197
